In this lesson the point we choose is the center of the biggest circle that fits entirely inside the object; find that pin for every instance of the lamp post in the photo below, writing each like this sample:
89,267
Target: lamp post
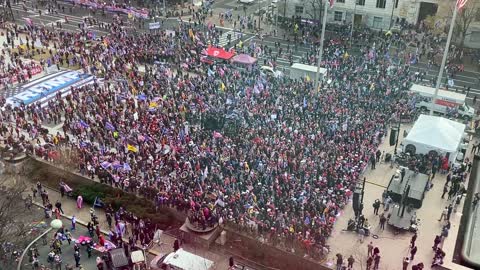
55,224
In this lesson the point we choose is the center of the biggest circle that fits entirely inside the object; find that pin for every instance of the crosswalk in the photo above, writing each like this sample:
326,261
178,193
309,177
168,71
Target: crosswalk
224,41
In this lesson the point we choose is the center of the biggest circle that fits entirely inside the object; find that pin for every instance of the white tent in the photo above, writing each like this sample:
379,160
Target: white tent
435,133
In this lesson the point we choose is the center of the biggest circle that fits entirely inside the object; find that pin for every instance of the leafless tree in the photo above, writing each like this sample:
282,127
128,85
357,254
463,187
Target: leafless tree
14,215
468,14
313,8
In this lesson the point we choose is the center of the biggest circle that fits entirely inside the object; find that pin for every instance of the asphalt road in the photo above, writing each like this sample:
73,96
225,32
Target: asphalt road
77,14
67,250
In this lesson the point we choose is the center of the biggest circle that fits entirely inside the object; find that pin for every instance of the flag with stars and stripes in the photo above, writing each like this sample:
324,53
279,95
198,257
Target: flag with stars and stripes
461,4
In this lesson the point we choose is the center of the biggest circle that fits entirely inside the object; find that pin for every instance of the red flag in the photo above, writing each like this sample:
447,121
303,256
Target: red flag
461,3
333,1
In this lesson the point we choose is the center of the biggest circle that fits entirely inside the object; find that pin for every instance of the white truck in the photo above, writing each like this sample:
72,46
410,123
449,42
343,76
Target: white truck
301,71
445,100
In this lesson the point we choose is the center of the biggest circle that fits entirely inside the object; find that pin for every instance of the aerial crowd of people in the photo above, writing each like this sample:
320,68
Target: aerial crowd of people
282,166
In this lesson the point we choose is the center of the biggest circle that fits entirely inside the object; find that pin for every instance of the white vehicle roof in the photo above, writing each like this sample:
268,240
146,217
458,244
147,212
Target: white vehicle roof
187,261
430,91
308,68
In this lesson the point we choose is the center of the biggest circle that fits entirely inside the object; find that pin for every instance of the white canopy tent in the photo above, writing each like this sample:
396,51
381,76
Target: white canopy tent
433,133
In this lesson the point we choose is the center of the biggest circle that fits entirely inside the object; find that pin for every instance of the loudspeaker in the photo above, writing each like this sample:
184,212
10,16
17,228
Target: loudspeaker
176,245
393,136
356,201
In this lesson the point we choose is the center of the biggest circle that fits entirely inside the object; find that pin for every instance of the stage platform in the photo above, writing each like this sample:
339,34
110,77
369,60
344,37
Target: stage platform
418,184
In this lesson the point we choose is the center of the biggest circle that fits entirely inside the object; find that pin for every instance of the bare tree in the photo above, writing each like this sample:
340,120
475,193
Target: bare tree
313,8
14,216
465,17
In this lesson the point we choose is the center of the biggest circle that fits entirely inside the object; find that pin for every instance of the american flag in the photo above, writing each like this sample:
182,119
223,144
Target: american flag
333,1
461,4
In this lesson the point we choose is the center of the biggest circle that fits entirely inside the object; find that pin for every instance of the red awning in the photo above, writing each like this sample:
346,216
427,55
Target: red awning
219,53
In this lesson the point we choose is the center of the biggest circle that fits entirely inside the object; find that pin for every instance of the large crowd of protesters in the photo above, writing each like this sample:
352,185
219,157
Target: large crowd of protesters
282,170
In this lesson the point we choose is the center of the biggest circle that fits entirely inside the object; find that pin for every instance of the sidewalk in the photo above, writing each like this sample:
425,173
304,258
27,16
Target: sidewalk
83,217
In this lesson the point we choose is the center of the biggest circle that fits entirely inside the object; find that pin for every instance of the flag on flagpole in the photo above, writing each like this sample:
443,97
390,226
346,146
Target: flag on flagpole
333,2
461,3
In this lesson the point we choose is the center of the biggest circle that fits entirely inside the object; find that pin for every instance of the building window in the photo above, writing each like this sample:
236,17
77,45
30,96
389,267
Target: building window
381,3
377,22
475,36
338,16
361,2
340,1
477,15
298,9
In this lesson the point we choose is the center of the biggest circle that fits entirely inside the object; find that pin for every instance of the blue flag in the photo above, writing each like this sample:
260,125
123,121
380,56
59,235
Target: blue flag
83,124
109,126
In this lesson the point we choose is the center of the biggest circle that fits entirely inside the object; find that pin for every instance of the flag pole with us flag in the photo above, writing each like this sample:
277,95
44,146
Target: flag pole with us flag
328,3
458,6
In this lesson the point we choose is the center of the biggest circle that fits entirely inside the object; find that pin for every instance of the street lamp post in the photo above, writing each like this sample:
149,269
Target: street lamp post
55,224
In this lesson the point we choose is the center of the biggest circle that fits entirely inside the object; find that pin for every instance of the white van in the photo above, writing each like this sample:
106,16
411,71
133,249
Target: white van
301,71
180,260
445,100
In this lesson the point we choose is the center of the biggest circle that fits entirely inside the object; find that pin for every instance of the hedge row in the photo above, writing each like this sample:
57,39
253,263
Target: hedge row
140,207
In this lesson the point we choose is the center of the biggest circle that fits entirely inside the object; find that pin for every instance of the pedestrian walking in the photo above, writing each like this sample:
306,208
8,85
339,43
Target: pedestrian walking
58,205
109,219
369,262
436,242
449,211
370,249
89,250
406,262
383,220
361,233
445,190
444,214
74,222
414,238
413,251
376,262
376,206
58,262
339,261
76,255
68,235
350,260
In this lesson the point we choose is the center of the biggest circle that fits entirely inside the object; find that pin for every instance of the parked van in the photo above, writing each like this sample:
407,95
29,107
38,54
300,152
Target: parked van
446,100
180,260
301,71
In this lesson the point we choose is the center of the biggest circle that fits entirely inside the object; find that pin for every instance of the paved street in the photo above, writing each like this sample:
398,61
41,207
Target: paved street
67,250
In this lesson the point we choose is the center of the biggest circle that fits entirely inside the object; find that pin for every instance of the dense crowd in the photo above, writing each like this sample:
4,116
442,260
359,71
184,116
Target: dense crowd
285,171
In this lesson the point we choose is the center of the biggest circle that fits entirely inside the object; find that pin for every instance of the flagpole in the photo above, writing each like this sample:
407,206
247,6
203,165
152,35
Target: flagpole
444,58
322,38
